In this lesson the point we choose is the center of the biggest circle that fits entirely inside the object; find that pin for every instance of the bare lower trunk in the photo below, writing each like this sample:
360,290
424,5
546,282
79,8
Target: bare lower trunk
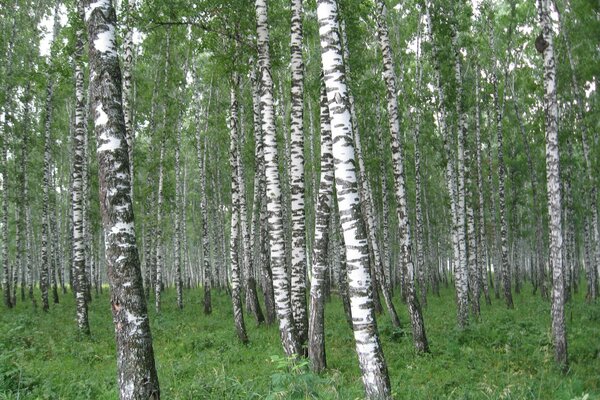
368,347
135,355
316,334
554,195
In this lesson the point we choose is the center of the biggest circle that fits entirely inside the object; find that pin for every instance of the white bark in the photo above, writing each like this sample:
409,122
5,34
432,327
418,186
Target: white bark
368,347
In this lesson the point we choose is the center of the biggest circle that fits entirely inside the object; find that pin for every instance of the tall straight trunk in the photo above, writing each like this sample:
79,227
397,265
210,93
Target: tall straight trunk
45,240
298,275
23,207
554,197
246,249
316,336
45,262
201,154
443,127
499,110
482,249
367,203
260,206
419,236
135,355
389,76
474,271
368,348
206,273
591,221
4,112
538,264
158,282
127,81
177,227
236,297
77,201
461,269
6,281
277,244
385,229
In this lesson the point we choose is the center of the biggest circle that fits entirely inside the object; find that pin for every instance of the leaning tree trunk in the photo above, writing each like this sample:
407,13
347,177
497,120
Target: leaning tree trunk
389,76
236,298
316,329
276,235
370,354
298,273
135,355
553,181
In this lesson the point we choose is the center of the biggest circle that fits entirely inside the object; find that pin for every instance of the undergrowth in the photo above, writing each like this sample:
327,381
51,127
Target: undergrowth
507,354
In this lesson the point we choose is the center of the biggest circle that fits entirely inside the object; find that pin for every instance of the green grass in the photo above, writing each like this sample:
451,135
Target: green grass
507,354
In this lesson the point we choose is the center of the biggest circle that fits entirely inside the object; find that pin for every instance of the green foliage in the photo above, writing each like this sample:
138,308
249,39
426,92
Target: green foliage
294,380
506,355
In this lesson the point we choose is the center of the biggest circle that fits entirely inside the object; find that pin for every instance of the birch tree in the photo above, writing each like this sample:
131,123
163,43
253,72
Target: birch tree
553,182
137,376
389,76
370,355
274,211
236,297
298,280
316,334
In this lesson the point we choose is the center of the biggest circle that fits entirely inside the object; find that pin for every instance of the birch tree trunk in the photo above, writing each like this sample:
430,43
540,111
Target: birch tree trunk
538,264
389,76
127,87
316,336
201,154
298,275
370,355
251,295
177,227
592,268
261,206
460,270
135,355
45,262
554,196
499,110
276,238
4,111
367,209
482,249
78,267
236,297
158,283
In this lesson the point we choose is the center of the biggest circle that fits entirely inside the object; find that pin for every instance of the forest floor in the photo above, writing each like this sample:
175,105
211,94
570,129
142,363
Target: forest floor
506,355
